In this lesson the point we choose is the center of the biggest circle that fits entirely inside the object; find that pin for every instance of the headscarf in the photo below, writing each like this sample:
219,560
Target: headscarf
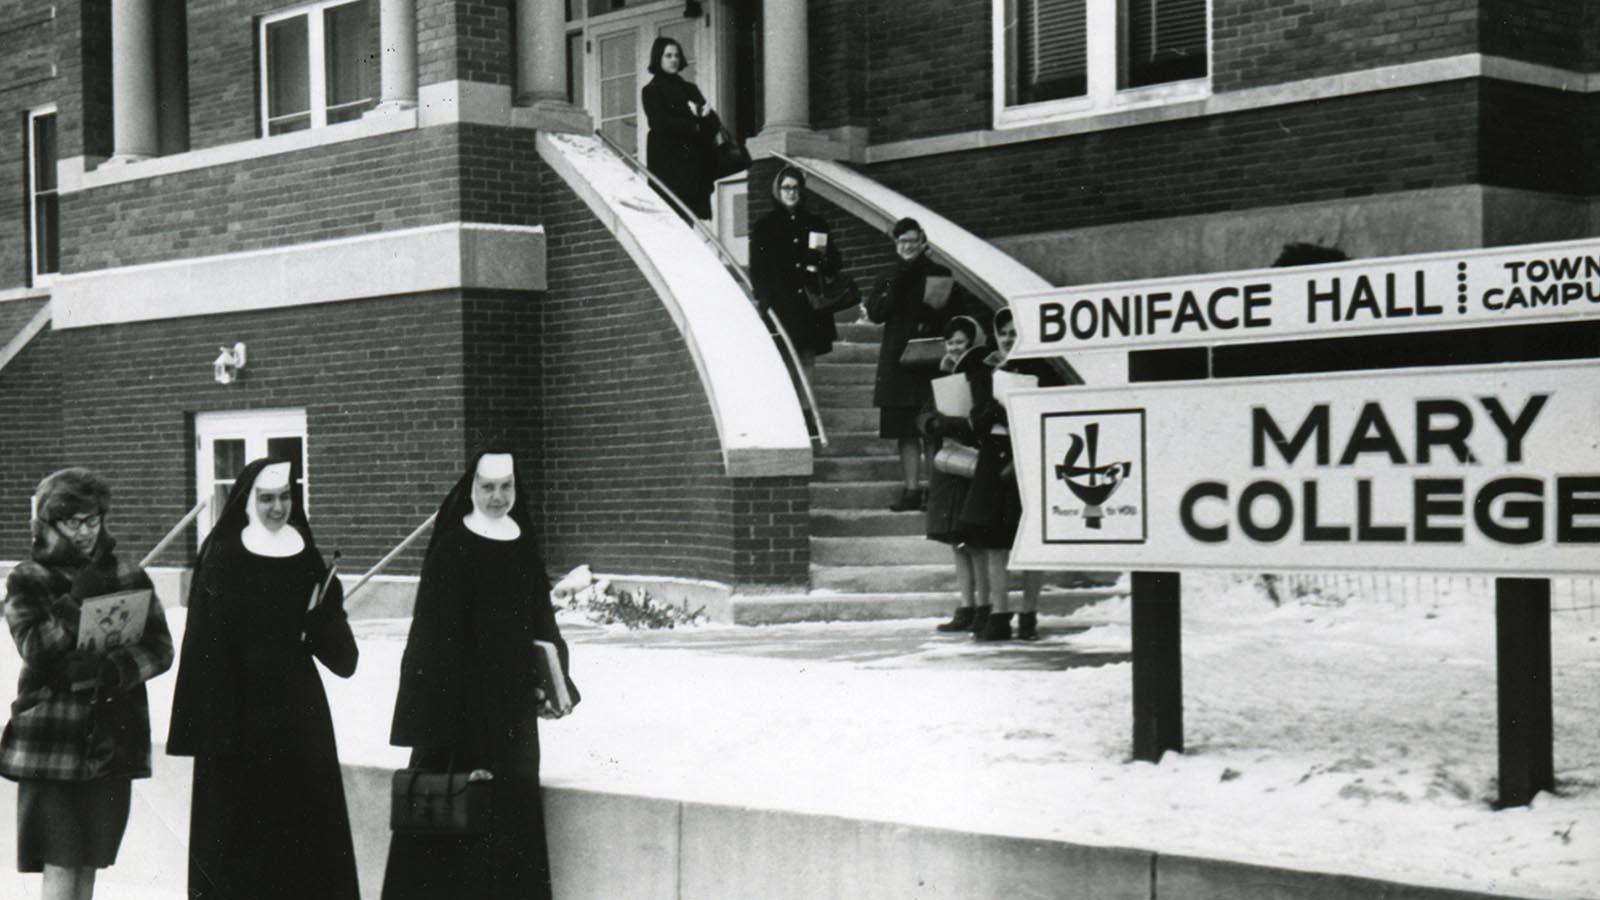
428,707
235,513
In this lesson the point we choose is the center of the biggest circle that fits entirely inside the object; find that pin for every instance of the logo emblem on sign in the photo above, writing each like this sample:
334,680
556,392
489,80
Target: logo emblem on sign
1093,484
1094,477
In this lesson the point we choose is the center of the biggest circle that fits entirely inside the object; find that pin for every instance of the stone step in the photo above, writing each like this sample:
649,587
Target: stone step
856,443
845,373
844,395
829,606
859,332
886,550
857,495
863,523
856,468
930,577
851,353
850,417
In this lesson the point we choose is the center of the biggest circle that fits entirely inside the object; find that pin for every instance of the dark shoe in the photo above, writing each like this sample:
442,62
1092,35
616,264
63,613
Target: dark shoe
980,619
922,500
909,501
998,628
1028,626
961,621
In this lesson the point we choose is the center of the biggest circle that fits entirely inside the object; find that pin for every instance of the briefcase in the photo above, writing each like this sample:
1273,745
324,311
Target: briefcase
439,803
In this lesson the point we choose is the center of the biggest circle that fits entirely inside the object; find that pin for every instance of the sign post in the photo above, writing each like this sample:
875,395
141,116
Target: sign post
1522,667
1157,665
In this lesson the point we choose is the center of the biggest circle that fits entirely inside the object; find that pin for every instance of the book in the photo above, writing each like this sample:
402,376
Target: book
952,395
1005,382
114,620
552,679
817,240
936,290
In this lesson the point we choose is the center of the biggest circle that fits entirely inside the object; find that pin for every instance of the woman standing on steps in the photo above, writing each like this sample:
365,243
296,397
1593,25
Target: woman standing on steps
681,128
947,491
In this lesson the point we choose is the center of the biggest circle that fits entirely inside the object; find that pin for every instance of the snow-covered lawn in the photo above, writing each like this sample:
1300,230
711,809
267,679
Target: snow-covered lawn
1356,738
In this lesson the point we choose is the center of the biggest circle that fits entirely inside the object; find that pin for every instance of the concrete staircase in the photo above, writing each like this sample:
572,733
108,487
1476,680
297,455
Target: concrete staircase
868,562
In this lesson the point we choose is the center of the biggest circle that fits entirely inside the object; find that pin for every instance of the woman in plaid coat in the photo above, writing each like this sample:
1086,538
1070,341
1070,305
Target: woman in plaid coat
80,727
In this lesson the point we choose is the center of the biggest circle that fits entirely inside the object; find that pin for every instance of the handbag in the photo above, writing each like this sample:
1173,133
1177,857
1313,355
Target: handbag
922,353
439,803
833,293
956,459
728,154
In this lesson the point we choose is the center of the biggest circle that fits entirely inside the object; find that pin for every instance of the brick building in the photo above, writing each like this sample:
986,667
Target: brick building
382,200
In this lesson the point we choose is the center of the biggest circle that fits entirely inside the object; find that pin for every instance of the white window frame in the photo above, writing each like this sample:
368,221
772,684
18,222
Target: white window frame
38,278
316,62
1102,95
254,427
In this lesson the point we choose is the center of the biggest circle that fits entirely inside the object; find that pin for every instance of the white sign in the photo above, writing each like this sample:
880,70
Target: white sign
1494,470
1466,289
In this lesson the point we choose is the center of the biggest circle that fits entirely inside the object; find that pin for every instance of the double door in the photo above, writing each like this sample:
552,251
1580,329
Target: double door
617,52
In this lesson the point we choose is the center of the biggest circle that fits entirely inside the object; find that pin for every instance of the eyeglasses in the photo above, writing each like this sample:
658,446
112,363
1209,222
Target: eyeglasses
79,523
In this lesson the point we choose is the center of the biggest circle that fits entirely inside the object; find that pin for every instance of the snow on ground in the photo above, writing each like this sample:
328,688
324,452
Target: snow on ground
1355,738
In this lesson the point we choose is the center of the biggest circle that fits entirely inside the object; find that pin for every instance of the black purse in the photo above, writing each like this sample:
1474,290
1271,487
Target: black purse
728,154
833,293
440,803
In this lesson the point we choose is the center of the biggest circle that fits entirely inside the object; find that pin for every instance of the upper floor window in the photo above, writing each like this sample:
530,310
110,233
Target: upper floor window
44,229
1064,58
316,64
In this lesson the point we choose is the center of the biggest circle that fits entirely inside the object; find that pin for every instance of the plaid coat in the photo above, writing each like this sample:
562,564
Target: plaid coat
58,734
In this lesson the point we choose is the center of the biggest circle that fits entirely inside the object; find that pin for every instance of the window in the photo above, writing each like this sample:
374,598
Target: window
226,441
1063,58
44,229
316,66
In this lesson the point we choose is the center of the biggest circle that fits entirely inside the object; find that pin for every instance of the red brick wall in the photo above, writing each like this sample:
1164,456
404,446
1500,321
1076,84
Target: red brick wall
1533,138
1265,43
838,32
30,439
1366,144
631,472
929,68
464,40
384,412
27,52
1553,32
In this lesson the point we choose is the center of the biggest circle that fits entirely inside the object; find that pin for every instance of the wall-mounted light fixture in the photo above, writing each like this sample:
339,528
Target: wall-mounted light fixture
225,369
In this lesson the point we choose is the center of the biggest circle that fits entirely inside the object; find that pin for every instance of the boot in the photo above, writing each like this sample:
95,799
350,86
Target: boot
998,628
1028,626
909,500
980,619
961,621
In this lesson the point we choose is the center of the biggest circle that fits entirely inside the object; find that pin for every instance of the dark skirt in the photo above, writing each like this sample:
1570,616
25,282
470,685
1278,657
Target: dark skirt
897,422
510,863
74,824
992,508
946,495
270,826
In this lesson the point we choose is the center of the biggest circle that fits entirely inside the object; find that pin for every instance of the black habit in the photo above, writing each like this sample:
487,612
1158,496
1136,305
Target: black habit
268,814
466,701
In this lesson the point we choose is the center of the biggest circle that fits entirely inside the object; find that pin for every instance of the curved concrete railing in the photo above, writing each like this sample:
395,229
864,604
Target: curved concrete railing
980,267
752,398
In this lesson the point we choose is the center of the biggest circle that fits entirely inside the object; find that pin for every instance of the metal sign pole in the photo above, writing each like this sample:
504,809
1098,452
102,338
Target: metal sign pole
1522,664
1157,665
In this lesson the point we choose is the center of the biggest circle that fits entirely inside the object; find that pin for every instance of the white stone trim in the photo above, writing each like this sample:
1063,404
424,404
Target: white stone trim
24,293
73,173
1345,84
434,257
752,400
12,347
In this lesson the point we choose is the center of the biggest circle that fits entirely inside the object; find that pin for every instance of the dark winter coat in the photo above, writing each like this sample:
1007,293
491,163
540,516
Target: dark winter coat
56,733
780,254
678,146
896,302
992,508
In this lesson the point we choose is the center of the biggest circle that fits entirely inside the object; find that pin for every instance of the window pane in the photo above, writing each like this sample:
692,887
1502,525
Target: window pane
46,234
289,123
227,458
345,54
1165,40
288,69
44,149
1047,54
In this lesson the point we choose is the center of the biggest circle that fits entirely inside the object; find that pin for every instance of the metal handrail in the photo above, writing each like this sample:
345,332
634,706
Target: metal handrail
732,265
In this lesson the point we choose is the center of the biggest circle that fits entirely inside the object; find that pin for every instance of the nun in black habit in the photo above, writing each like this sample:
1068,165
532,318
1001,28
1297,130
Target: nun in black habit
468,698
268,815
